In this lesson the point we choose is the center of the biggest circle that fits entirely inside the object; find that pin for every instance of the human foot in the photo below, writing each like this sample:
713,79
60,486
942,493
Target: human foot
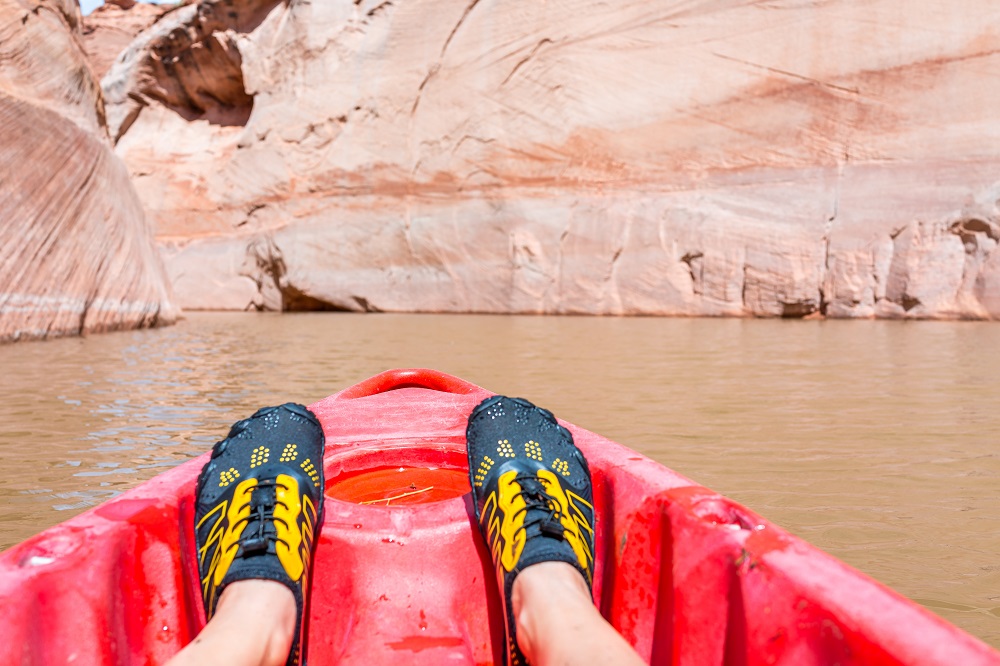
533,495
259,506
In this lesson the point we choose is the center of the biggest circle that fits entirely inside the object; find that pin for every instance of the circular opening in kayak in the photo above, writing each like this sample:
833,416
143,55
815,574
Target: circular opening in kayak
400,486
398,477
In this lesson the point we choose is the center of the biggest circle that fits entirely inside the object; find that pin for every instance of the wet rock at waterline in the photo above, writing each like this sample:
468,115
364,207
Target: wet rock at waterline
775,158
76,254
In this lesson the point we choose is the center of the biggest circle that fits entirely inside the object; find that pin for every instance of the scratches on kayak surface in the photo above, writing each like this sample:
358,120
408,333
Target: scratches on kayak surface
387,500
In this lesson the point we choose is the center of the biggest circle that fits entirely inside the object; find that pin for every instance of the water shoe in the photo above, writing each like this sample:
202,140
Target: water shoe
532,492
260,505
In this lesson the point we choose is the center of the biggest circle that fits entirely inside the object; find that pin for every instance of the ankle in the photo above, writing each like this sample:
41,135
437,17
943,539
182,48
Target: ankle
264,610
542,592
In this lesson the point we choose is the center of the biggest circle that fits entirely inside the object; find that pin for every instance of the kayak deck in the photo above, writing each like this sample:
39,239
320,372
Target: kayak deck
400,573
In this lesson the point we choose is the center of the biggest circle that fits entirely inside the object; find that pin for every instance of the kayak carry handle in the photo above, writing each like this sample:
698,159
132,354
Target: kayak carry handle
424,378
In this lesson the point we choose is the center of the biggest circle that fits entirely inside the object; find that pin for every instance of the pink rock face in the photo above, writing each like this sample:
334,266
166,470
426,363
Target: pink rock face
109,29
769,158
76,254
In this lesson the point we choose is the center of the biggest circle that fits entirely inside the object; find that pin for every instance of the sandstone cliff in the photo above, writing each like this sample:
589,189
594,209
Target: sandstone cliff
683,157
76,254
110,28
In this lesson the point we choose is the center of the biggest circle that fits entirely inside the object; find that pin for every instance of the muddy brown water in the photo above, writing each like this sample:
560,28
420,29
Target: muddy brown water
879,442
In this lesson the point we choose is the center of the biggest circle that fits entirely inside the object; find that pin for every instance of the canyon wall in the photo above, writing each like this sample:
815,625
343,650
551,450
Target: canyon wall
684,157
76,254
111,27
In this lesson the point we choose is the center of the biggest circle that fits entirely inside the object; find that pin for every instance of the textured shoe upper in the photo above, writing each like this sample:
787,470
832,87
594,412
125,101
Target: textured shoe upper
533,494
259,503
525,502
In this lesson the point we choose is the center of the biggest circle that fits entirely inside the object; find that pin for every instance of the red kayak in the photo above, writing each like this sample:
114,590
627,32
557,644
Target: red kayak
401,576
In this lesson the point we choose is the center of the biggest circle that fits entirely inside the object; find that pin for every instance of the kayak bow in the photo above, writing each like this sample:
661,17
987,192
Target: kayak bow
686,575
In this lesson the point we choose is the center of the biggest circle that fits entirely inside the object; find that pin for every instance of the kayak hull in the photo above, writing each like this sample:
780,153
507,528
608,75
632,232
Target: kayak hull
686,575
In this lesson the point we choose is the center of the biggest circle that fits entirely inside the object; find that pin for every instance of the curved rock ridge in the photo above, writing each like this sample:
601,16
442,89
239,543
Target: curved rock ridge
76,254
784,158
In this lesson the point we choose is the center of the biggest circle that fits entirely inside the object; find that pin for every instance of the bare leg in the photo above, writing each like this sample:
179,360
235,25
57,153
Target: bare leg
558,624
252,626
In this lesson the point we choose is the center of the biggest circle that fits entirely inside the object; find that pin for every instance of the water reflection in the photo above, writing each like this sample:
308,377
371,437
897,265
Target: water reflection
877,441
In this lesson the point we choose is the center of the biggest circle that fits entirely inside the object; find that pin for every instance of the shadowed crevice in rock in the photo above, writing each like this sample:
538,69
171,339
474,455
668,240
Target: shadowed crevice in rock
293,300
265,266
695,267
189,62
969,230
799,309
200,77
365,304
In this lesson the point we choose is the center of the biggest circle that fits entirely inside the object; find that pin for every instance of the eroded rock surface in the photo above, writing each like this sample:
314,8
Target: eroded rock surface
76,254
110,28
769,157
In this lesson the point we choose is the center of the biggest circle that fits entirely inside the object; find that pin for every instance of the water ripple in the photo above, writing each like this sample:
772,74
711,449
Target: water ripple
877,441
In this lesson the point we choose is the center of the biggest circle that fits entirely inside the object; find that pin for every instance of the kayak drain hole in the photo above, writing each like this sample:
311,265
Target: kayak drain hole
399,485
391,476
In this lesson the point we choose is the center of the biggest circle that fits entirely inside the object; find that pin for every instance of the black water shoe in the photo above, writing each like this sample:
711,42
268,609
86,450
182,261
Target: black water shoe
260,505
533,494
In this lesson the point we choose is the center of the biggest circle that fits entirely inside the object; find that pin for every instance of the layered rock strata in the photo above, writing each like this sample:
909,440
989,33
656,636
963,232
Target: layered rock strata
76,254
770,158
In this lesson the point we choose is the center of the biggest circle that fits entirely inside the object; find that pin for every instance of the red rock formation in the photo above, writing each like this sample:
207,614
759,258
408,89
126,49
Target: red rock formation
76,254
768,157
109,29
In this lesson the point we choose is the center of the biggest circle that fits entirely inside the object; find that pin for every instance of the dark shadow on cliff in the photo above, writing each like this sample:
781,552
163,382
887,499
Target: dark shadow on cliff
194,66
